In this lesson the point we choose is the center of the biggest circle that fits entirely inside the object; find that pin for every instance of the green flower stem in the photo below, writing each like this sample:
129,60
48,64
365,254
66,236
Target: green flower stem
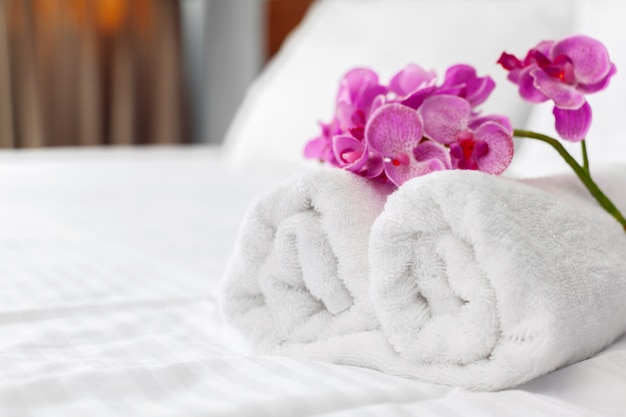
583,146
582,173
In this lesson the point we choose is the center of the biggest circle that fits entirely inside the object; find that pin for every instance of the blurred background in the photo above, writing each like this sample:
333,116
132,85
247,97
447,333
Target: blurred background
131,72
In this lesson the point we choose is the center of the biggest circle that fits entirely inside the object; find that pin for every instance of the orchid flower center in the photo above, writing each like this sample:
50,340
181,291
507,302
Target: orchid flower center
467,150
560,68
349,156
397,160
358,130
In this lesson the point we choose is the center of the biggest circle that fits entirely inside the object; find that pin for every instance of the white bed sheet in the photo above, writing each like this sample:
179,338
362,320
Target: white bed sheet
109,279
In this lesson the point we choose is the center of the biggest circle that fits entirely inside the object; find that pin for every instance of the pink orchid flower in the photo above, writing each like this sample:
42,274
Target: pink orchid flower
411,79
412,85
320,147
359,91
461,80
395,131
484,143
378,131
356,156
563,71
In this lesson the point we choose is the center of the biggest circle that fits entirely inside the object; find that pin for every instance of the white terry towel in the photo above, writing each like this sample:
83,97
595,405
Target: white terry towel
299,269
485,282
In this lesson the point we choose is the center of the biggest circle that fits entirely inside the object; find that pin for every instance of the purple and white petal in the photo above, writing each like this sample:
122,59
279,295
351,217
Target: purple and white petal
502,120
344,113
354,83
544,47
457,74
428,150
573,125
444,116
527,88
399,174
374,166
479,89
600,85
315,148
564,96
349,152
377,103
589,57
500,143
509,62
411,78
415,99
393,130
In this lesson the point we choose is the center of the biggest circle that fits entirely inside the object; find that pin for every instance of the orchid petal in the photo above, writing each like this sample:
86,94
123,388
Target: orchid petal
573,125
358,89
315,148
349,152
514,75
509,62
444,116
416,99
451,90
459,73
535,56
589,57
374,166
394,130
479,89
354,83
402,173
410,79
500,152
428,150
544,47
527,88
563,95
377,103
320,149
369,96
343,115
503,121
600,85
473,88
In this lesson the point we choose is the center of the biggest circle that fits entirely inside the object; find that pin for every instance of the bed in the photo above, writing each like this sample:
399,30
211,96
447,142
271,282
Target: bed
112,257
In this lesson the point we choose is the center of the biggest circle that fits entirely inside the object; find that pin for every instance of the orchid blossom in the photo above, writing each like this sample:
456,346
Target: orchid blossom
377,130
484,144
461,80
564,72
359,92
395,132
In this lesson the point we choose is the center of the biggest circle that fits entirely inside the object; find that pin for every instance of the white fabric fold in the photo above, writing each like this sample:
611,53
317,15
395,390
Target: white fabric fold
486,282
299,270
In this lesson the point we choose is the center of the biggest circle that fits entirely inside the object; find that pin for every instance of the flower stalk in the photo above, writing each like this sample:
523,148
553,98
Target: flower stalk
581,171
583,147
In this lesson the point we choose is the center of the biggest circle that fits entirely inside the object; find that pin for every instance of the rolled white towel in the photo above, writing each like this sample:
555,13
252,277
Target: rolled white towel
299,270
485,282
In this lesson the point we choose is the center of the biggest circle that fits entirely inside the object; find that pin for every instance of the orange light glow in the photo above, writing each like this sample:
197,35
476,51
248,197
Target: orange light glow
111,15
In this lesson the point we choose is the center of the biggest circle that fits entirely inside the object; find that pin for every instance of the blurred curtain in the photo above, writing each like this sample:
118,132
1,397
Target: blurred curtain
89,72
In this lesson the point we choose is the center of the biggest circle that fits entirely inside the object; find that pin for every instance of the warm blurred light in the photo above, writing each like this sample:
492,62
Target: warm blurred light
111,14
78,12
143,21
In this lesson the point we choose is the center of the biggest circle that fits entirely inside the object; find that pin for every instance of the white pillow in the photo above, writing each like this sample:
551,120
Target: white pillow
606,141
297,89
